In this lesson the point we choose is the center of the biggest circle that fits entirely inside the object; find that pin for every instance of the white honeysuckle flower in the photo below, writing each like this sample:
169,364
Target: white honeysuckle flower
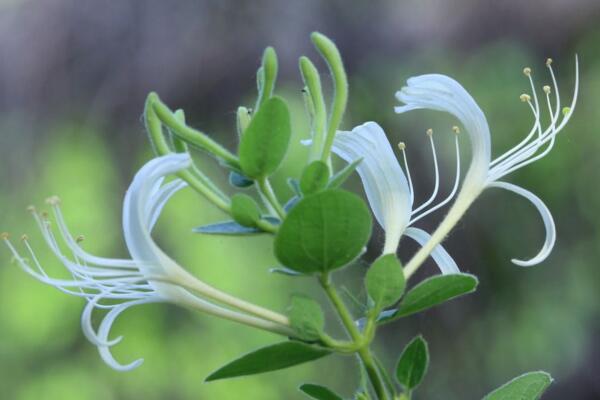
149,276
389,191
442,93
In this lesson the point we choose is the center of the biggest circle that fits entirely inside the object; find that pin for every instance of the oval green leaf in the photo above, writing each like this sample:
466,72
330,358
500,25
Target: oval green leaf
385,281
265,141
314,177
270,358
244,210
529,386
324,231
318,392
413,363
431,292
306,317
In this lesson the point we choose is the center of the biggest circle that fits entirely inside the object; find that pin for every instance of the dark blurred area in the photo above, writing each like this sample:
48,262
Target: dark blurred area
73,79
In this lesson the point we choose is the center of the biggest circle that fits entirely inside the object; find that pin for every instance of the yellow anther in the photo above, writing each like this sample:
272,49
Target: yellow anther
566,111
44,214
24,237
525,97
527,71
429,132
547,89
548,62
80,238
456,129
401,146
53,200
31,209
4,235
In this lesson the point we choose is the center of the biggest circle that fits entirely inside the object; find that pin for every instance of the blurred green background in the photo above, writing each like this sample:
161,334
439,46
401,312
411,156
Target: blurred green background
73,77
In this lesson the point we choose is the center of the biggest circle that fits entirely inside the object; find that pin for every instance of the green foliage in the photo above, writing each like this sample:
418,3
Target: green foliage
318,392
231,228
413,363
244,210
265,141
271,358
324,231
431,292
239,181
314,177
385,281
340,177
306,317
529,386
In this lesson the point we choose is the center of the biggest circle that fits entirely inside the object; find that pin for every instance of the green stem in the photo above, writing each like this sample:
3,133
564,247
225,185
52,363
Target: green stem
265,188
363,352
191,135
195,178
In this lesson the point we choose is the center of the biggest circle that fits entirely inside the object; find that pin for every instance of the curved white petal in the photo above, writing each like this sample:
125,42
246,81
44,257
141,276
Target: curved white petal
546,217
138,208
444,261
384,181
442,93
104,330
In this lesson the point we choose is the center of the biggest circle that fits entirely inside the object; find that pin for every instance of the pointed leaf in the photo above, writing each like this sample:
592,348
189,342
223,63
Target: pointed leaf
238,180
529,386
306,317
265,140
413,363
431,292
294,184
324,231
385,281
339,178
284,271
318,392
270,358
232,228
314,177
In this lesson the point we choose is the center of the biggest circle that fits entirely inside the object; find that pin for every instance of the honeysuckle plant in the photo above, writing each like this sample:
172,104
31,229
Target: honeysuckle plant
318,232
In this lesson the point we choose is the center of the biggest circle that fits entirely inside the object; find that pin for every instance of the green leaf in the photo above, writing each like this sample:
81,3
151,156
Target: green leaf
529,386
238,180
413,363
244,210
385,281
306,317
232,228
294,184
284,271
318,392
314,177
340,177
431,292
324,231
270,358
291,203
265,141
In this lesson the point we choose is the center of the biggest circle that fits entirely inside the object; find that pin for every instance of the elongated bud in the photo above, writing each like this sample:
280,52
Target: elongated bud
316,101
266,76
332,56
179,145
154,126
243,120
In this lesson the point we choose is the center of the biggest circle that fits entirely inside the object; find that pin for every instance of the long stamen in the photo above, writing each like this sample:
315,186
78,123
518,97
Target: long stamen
456,130
437,175
54,201
402,147
522,157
